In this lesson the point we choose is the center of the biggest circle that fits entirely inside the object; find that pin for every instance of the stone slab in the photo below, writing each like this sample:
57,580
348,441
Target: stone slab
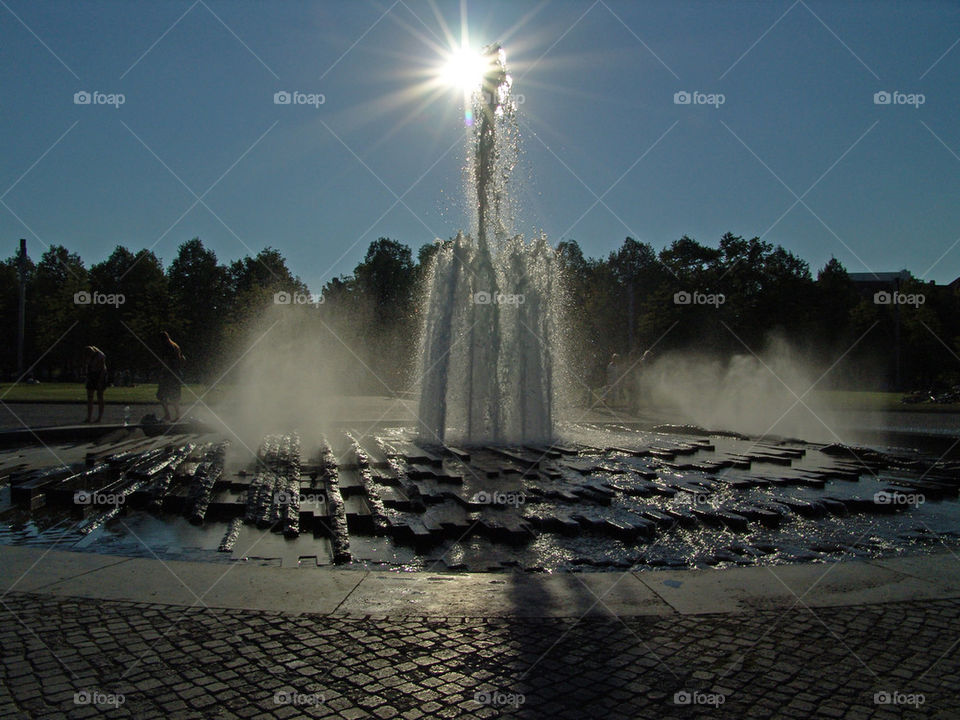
28,569
327,591
234,585
816,584
503,595
941,569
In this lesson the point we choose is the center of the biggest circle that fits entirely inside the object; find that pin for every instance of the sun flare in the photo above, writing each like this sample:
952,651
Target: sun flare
464,69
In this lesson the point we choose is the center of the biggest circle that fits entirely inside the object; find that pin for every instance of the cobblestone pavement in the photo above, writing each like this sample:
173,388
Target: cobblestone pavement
66,657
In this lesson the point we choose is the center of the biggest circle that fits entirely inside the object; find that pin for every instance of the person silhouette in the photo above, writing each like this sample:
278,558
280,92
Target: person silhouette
95,364
168,387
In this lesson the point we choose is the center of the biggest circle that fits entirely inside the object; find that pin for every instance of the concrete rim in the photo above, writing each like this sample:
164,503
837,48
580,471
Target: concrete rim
362,593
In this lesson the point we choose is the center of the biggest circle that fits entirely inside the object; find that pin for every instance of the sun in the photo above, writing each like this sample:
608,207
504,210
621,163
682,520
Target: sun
464,69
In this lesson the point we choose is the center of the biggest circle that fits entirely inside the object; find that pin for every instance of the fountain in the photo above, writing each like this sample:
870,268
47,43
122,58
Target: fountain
483,482
489,343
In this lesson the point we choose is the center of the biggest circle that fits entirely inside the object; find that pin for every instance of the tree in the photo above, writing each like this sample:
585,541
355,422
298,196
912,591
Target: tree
835,299
689,261
268,270
198,288
252,284
643,278
60,277
127,329
9,304
385,283
695,268
386,277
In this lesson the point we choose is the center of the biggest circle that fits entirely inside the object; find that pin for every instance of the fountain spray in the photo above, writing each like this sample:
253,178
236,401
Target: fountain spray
488,344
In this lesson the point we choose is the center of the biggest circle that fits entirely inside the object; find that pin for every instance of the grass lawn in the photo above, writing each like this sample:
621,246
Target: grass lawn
878,401
75,392
147,393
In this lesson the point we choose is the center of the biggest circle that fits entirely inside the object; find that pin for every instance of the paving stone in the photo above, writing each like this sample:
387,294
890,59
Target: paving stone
765,663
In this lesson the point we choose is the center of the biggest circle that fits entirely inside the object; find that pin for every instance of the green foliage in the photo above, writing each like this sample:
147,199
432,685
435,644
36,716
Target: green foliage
199,294
60,275
370,320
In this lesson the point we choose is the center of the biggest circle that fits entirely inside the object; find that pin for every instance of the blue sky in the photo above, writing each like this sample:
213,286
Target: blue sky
877,183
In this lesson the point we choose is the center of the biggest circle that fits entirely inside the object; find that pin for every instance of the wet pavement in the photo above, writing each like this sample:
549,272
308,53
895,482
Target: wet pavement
15,416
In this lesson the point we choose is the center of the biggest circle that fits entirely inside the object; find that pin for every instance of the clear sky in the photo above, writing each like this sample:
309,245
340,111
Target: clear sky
798,152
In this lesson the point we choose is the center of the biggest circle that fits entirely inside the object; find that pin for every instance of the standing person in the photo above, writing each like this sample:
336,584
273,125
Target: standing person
95,363
168,389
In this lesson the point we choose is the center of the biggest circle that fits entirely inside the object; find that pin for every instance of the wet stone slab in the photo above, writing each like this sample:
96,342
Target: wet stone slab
602,498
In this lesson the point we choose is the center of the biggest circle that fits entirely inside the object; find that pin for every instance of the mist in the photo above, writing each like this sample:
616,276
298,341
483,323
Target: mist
293,370
746,393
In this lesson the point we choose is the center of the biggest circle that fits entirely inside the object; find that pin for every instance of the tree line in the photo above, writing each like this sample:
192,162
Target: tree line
724,300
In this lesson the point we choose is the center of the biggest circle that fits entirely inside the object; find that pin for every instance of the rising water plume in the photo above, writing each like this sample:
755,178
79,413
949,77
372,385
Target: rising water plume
489,340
